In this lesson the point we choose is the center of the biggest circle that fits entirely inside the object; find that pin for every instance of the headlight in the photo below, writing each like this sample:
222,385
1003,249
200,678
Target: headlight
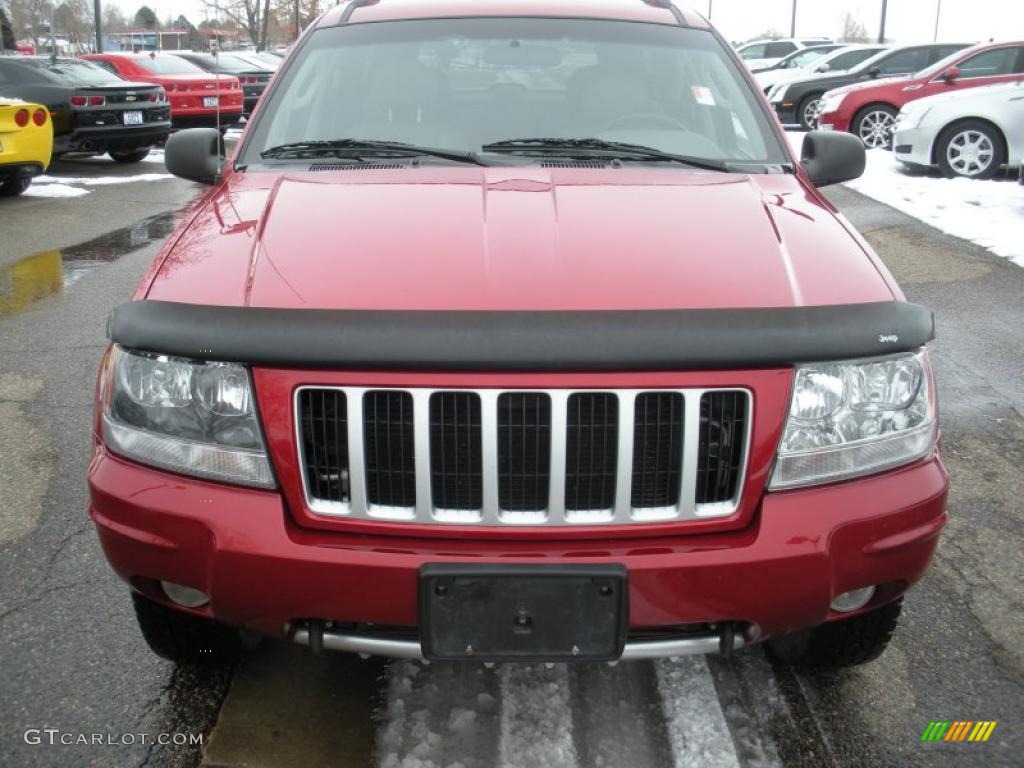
185,416
856,418
778,92
831,103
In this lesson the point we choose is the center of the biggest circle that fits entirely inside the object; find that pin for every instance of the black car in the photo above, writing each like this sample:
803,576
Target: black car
254,79
796,102
92,110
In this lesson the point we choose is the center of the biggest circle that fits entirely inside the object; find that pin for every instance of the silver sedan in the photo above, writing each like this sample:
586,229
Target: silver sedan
969,134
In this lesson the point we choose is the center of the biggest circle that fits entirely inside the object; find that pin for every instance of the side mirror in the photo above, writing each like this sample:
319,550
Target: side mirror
875,71
823,68
951,74
196,154
832,157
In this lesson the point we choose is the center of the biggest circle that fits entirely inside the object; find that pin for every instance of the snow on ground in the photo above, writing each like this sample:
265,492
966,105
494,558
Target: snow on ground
989,213
77,186
697,730
53,190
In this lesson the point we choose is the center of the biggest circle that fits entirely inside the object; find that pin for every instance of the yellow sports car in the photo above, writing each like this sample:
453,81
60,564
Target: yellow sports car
26,141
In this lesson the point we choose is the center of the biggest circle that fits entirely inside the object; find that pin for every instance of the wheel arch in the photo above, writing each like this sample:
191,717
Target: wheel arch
934,156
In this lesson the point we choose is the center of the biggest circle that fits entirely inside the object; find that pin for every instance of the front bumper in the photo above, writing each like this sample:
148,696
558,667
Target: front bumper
912,146
834,121
262,572
786,112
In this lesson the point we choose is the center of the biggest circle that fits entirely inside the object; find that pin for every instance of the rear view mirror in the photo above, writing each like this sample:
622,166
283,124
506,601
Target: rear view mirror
875,71
951,74
831,157
195,154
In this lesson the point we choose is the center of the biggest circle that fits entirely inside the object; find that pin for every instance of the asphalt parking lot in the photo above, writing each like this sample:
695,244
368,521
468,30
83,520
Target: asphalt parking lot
71,657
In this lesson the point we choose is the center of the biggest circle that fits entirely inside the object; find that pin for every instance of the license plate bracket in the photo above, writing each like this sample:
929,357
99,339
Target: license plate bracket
513,612
133,117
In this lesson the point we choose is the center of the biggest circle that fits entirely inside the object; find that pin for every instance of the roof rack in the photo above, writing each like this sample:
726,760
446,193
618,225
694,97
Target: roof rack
352,7
668,5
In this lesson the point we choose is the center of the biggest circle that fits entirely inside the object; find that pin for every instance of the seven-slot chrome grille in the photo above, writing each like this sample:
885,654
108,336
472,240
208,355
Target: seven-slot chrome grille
547,457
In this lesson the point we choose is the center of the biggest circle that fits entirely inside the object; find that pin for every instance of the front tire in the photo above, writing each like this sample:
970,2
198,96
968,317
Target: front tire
970,150
808,110
843,643
12,186
129,156
184,638
873,125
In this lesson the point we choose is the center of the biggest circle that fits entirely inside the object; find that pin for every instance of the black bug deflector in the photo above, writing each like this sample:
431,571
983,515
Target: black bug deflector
642,340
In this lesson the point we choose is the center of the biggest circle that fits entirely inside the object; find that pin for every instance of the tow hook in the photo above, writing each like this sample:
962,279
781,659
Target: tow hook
316,636
726,639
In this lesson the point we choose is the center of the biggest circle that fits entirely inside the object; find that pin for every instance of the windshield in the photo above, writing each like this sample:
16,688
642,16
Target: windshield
74,72
462,84
942,64
804,57
168,65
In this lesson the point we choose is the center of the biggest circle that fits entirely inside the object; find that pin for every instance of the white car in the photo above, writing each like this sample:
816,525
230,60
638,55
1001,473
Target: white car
760,54
838,60
970,133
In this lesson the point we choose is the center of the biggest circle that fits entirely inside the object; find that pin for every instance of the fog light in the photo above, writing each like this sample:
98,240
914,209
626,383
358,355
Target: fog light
185,596
851,601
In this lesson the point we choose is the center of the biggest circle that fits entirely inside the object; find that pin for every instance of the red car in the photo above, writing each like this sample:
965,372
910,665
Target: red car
544,347
868,109
195,95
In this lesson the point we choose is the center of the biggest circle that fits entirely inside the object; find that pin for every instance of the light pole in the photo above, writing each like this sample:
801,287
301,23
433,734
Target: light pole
881,26
711,4
938,12
99,25
792,25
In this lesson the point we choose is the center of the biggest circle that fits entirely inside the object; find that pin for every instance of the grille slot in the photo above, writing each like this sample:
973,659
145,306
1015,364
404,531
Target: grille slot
456,477
591,451
324,416
597,164
723,427
499,457
524,451
388,447
657,449
356,166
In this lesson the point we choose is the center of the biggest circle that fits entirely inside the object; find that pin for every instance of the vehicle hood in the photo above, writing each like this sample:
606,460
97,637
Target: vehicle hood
439,237
968,100
867,85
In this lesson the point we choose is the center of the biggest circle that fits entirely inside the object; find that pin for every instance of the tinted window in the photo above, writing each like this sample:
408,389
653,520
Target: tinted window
464,83
803,58
754,51
106,65
73,72
168,65
13,73
778,50
999,61
910,60
849,59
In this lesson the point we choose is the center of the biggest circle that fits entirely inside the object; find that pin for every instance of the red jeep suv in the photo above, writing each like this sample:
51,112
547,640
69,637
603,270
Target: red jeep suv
514,331
868,109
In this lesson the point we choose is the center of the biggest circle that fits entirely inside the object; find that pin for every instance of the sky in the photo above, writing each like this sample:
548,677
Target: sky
908,21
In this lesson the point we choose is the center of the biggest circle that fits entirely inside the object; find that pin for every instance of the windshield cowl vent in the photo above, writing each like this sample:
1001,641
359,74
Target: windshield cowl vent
357,166
574,164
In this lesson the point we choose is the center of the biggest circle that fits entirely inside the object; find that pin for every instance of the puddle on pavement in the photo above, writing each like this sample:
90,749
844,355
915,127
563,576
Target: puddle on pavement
49,273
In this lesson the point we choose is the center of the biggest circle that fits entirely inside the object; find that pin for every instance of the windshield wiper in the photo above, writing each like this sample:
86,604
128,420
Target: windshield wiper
368,147
616,148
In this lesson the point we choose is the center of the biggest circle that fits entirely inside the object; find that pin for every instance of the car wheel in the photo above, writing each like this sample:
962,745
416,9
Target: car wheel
874,126
132,156
972,150
808,111
12,186
185,638
842,643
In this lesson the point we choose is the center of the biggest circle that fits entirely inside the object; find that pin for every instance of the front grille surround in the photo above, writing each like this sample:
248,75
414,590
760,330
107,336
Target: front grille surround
357,506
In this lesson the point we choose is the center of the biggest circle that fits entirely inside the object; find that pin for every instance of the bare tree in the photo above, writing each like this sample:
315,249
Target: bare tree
31,18
250,15
853,30
113,19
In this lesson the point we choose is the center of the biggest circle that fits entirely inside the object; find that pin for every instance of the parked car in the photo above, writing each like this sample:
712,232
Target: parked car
261,58
764,53
464,373
797,102
91,110
26,143
197,98
254,77
970,133
841,59
868,109
799,59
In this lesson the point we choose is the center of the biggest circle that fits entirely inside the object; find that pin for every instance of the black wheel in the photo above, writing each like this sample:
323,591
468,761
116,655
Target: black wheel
807,111
12,186
184,638
844,643
873,125
970,149
129,156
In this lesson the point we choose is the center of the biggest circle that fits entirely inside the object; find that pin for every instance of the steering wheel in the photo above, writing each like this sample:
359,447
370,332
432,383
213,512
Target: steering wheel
627,121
